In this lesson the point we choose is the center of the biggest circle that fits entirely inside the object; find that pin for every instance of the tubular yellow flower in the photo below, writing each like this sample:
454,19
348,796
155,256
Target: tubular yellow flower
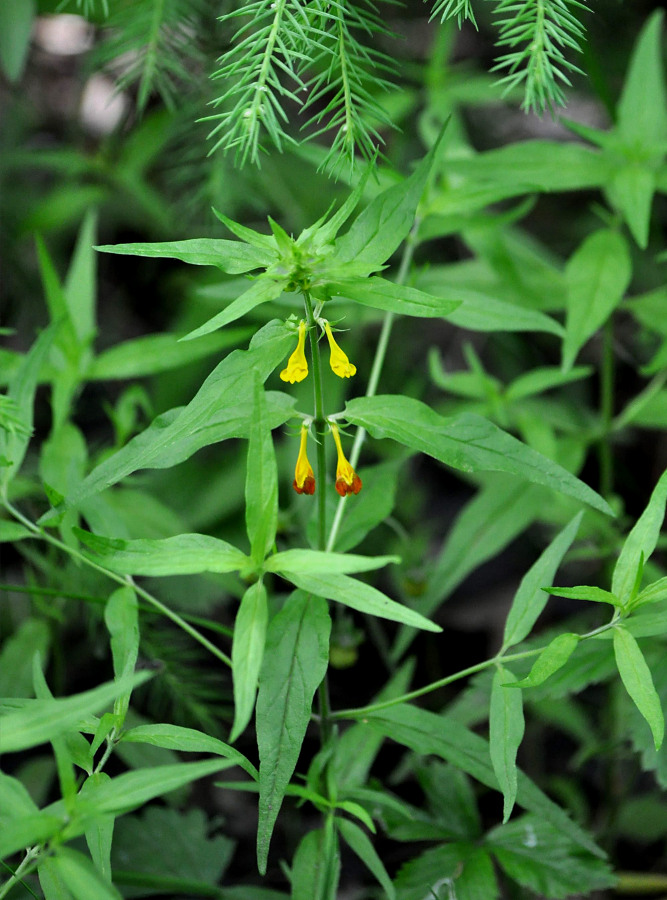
297,365
304,477
347,480
338,360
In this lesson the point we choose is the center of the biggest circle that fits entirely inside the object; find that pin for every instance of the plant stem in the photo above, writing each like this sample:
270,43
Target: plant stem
376,370
124,580
607,410
26,866
320,427
361,711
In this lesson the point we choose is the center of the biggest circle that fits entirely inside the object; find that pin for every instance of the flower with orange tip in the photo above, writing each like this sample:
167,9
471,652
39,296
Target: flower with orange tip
304,478
297,365
347,480
340,364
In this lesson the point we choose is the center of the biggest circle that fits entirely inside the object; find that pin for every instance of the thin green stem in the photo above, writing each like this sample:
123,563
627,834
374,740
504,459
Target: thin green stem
319,422
26,866
361,711
607,410
124,580
376,370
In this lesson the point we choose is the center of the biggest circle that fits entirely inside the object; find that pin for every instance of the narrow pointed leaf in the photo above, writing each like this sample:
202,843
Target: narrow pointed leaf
247,653
506,727
407,301
359,841
261,487
233,257
317,562
636,677
296,656
551,659
260,291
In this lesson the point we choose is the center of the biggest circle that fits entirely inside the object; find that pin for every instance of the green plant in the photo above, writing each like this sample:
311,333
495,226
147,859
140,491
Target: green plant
171,580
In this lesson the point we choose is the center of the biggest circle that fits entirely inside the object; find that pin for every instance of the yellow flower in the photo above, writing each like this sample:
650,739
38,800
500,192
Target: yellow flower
338,360
347,480
304,478
297,366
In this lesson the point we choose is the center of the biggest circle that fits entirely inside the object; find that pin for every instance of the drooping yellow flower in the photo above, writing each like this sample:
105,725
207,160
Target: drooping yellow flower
340,364
297,365
304,477
347,480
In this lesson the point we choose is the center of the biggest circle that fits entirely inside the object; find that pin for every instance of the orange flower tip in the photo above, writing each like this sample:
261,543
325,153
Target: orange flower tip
344,487
308,486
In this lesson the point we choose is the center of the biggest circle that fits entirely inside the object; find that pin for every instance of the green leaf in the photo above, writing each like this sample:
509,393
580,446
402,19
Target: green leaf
459,871
543,379
506,727
262,289
382,226
372,506
543,859
42,720
221,409
466,442
641,540
642,108
81,877
317,562
13,531
530,599
316,865
16,21
360,596
426,733
99,831
79,288
636,677
247,653
551,659
585,592
122,621
61,746
184,554
167,851
50,881
232,257
28,831
407,301
15,801
481,311
155,353
652,593
21,390
132,789
261,486
597,277
359,842
631,191
186,740
295,662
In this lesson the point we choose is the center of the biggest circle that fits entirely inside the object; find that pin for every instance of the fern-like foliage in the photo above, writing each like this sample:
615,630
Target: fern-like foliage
153,44
448,9
537,34
341,88
307,55
261,73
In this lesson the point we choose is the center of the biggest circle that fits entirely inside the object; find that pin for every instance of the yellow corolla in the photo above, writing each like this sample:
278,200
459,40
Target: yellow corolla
340,364
297,365
347,480
304,477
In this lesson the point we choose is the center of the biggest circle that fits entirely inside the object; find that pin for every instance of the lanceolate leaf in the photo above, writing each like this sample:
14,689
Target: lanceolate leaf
261,487
295,662
185,554
530,599
638,682
551,659
641,540
263,289
597,277
466,442
506,727
248,652
360,596
233,257
407,301
359,841
317,562
316,865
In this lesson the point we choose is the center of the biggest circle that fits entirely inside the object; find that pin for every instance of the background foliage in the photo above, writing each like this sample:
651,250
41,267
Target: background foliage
151,543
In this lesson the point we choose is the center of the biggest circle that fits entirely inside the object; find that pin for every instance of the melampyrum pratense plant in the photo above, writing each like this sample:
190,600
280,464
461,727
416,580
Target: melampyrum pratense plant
295,582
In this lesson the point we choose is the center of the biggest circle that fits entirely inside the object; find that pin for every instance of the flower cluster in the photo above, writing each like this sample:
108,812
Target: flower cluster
297,365
347,480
